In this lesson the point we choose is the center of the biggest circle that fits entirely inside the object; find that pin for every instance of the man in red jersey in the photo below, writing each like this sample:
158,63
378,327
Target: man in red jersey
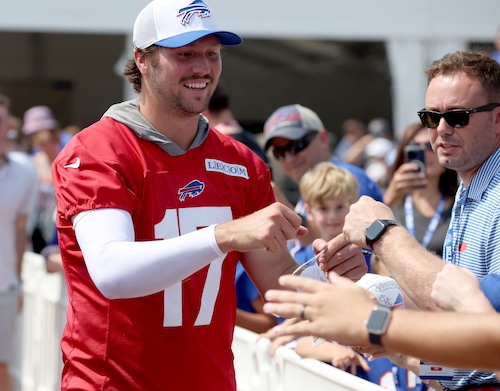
154,211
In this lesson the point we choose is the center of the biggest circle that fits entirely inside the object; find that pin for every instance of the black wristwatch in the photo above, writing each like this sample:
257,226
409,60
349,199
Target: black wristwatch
376,229
377,324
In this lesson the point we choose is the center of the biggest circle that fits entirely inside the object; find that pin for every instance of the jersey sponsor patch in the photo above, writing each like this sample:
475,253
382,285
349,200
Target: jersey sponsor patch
192,189
226,168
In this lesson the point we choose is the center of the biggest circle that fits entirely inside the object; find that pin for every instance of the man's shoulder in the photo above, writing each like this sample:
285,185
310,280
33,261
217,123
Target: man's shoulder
101,133
103,123
366,185
22,159
23,170
356,170
104,140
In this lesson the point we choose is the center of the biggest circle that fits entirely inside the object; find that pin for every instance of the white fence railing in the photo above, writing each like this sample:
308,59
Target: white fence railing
286,370
38,365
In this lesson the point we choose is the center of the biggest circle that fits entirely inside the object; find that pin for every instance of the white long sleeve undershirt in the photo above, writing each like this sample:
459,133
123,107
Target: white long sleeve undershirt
121,267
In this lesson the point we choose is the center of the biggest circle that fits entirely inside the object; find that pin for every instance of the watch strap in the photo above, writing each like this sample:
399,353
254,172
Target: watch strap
383,224
375,339
377,324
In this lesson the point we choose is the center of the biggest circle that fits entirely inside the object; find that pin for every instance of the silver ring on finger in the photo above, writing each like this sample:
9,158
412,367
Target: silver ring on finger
303,312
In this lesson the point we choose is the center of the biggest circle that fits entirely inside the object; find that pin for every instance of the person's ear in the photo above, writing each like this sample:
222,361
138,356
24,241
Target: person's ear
325,138
496,123
324,135
140,60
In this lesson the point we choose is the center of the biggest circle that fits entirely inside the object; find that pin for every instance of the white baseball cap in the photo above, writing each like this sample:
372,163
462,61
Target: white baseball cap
176,23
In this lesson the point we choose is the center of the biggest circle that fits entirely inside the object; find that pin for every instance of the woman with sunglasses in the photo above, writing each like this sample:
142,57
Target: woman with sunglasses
421,200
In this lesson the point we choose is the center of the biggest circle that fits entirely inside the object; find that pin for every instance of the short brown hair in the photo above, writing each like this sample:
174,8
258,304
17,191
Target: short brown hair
475,64
132,73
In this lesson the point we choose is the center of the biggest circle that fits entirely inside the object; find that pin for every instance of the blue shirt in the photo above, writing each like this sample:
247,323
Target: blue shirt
473,242
366,185
490,284
246,291
391,377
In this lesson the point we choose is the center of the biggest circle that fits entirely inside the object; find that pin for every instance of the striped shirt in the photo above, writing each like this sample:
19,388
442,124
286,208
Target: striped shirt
473,241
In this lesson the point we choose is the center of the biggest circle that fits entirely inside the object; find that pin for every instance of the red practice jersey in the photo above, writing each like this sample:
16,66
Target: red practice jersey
179,338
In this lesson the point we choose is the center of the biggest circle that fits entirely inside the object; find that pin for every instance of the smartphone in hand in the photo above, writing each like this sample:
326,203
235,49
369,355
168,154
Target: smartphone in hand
415,153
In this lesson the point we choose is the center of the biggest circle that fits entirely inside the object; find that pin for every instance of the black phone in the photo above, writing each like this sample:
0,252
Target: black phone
415,153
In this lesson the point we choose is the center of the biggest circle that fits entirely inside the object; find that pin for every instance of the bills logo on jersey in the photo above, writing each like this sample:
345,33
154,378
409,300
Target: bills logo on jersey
196,7
192,189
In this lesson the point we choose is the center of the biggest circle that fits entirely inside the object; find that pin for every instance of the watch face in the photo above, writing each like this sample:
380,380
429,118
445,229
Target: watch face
374,230
379,318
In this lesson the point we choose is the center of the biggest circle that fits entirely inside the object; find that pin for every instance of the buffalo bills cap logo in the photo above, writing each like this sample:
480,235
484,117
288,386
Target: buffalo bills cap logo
177,23
196,7
192,189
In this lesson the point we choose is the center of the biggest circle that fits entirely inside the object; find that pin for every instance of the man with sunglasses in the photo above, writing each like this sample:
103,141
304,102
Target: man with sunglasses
462,115
299,141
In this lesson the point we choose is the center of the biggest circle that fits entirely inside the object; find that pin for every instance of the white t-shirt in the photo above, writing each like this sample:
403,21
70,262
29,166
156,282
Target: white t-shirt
18,184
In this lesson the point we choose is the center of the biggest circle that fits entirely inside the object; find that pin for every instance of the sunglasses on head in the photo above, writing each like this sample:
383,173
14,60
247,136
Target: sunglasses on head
458,118
295,146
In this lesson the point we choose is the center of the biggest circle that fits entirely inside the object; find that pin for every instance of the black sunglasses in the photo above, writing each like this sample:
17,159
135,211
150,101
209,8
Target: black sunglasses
458,118
295,146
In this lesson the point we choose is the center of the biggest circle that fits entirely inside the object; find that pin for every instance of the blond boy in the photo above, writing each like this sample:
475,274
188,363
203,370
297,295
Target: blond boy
327,191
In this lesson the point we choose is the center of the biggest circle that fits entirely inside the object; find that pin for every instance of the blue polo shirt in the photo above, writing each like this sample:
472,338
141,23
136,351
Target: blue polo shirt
473,242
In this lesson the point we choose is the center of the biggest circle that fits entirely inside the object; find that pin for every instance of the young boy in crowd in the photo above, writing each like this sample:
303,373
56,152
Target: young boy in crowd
327,191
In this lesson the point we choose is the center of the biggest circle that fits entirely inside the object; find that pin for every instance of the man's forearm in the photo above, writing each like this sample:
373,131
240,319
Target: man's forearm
427,335
396,248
